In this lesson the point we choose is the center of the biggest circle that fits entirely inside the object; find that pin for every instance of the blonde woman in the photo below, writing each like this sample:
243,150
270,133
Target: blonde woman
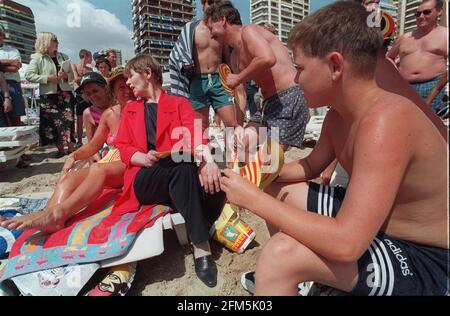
48,68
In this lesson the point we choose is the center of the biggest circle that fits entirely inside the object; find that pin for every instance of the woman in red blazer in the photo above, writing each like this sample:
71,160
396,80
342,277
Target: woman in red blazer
160,123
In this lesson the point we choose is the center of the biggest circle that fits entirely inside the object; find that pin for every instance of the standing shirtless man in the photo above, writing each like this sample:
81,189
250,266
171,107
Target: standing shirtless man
204,88
263,58
423,52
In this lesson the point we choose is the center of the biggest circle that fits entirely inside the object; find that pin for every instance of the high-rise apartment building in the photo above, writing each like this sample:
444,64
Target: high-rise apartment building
283,14
407,15
157,25
20,29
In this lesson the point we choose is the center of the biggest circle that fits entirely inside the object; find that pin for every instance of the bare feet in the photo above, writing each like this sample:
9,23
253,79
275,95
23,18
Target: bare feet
49,220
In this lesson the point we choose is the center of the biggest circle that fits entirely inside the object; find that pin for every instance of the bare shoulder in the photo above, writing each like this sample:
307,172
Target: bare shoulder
251,31
441,31
390,118
406,36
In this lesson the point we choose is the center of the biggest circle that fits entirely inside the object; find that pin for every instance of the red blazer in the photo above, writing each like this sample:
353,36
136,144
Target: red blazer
174,126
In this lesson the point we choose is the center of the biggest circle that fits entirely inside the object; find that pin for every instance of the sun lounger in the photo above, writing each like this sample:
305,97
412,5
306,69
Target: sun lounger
149,242
14,142
15,132
314,126
12,154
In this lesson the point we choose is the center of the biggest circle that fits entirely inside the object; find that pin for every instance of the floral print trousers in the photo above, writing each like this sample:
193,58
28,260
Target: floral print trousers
57,119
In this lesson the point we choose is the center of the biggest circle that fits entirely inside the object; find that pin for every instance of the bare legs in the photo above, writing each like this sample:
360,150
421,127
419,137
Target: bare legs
73,192
285,262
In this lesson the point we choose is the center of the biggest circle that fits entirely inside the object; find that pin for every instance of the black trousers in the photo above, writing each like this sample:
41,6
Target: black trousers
177,185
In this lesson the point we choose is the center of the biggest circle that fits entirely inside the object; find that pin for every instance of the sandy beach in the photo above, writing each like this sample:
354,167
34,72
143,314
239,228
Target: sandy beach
171,273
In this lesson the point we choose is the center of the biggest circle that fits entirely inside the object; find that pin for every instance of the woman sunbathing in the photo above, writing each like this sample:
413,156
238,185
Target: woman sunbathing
77,188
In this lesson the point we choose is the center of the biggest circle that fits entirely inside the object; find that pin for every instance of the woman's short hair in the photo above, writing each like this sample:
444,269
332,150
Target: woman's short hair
141,63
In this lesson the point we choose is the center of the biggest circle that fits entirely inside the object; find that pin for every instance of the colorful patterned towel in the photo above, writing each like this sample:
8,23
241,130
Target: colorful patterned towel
93,235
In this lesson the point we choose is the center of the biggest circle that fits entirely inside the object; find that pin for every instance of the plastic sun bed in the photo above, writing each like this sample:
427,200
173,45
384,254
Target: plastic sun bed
14,142
11,137
314,126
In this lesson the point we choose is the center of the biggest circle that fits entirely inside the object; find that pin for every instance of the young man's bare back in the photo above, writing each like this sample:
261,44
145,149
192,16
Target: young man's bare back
419,213
388,78
271,80
387,233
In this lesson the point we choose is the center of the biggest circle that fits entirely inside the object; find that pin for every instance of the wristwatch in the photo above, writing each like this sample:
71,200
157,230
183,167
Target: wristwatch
8,97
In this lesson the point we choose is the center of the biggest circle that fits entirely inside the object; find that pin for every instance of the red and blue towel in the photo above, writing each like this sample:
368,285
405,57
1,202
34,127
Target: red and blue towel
95,234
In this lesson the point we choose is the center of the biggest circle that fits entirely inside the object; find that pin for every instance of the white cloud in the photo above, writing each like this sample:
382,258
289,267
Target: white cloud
98,28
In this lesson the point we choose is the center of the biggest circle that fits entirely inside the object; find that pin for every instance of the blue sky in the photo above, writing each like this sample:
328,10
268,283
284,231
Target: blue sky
122,8
103,23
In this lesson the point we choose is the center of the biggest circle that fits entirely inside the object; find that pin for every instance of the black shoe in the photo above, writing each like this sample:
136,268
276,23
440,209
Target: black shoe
206,270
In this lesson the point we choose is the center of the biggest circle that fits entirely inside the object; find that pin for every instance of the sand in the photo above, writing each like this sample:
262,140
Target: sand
171,273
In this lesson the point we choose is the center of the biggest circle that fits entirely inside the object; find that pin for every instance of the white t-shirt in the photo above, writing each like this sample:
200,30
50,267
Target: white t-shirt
10,53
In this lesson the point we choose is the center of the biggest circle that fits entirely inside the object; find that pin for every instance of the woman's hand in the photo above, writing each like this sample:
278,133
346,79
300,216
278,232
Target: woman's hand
209,175
7,105
144,160
239,190
62,75
53,79
70,161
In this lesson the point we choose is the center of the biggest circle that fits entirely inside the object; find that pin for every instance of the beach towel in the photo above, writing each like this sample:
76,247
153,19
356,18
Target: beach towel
62,281
181,61
96,234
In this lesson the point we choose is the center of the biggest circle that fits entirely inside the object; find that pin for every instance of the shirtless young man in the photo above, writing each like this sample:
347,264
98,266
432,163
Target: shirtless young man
423,52
367,240
262,57
205,87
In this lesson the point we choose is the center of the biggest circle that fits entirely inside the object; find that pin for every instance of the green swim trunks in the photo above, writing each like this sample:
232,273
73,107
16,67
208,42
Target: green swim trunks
206,90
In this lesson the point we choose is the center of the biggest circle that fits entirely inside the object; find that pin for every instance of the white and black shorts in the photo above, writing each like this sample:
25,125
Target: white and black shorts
390,266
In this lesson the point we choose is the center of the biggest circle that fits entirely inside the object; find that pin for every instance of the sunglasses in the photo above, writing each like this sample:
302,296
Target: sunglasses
425,12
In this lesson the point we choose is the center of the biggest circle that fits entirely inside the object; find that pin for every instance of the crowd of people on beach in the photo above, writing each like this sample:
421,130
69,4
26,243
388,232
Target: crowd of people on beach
384,233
